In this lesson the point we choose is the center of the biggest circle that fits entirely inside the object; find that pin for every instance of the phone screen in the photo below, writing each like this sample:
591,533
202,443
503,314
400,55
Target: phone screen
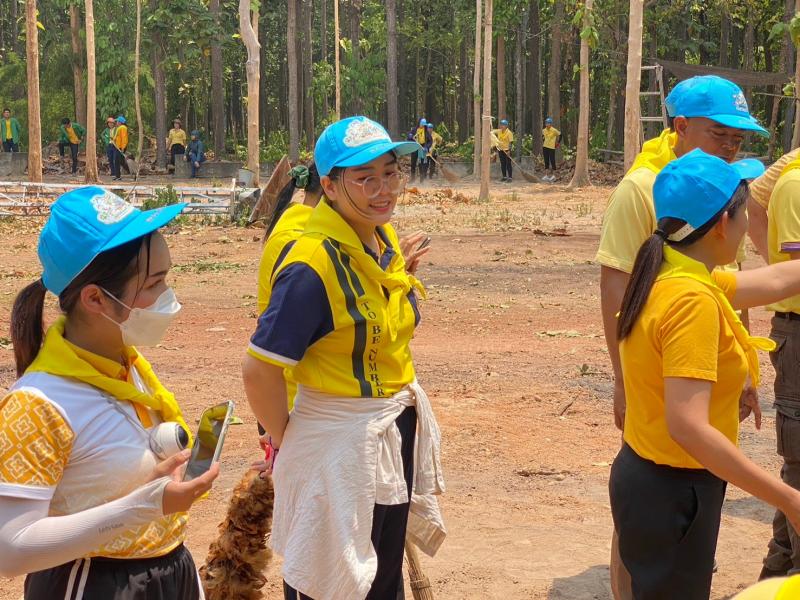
209,439
424,243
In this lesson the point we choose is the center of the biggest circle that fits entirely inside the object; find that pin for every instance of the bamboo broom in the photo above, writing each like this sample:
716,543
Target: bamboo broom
419,582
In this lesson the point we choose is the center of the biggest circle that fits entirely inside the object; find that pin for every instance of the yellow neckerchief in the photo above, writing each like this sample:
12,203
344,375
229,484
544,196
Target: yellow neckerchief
656,153
56,357
327,223
795,164
678,265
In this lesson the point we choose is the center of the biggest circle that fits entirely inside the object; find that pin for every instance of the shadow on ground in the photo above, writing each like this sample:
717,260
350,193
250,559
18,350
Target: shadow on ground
591,584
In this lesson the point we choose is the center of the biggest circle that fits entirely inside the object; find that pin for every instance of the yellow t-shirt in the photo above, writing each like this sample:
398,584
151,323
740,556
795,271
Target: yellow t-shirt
681,332
9,133
630,216
420,135
776,588
365,351
762,187
121,137
437,140
61,440
503,139
176,136
550,135
73,138
783,228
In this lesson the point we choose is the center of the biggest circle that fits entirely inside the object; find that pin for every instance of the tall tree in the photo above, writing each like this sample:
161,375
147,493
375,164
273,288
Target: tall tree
77,62
217,83
308,65
248,26
159,93
580,177
487,100
535,73
554,74
137,68
519,119
34,104
633,83
392,92
323,50
91,97
502,112
476,93
337,59
291,51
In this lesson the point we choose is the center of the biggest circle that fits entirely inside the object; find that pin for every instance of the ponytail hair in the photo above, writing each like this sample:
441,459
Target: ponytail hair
301,178
651,255
27,324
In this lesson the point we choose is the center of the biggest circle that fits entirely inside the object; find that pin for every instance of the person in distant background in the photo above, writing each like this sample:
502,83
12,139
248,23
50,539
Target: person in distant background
9,126
196,152
436,142
70,134
503,140
176,142
551,139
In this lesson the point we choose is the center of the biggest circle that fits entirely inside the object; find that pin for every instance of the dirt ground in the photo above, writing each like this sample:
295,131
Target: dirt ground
511,352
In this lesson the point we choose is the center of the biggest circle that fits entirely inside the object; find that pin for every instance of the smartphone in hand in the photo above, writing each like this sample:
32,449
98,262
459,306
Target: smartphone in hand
209,439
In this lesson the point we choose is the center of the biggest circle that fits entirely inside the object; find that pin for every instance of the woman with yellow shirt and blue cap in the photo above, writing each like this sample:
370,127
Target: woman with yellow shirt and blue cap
685,358
362,436
91,503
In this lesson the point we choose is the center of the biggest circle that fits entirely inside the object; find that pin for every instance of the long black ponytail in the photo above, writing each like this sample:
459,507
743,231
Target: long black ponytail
651,255
311,186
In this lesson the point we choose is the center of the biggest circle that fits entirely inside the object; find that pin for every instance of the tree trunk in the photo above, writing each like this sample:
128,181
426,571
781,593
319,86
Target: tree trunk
91,97
77,63
749,46
160,96
487,101
725,35
14,27
392,93
337,59
323,50
580,177
136,76
554,75
217,85
796,134
294,104
634,76
476,94
355,37
519,120
463,110
308,63
788,65
248,26
34,106
535,74
502,113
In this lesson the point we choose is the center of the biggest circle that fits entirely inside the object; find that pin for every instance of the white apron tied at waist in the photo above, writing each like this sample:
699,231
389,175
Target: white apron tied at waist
339,457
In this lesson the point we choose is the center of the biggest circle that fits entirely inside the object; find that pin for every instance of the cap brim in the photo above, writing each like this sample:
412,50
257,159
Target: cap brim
374,151
144,223
749,168
739,122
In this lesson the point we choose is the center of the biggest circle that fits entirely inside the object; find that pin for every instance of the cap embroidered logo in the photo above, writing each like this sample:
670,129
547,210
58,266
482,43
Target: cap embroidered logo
111,208
363,131
741,103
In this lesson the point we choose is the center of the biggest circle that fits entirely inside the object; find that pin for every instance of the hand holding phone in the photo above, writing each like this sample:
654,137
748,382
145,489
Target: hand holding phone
208,440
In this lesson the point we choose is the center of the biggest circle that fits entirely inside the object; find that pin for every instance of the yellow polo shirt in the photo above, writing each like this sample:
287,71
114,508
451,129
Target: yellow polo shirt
504,139
681,332
783,229
341,318
630,216
176,136
776,588
549,137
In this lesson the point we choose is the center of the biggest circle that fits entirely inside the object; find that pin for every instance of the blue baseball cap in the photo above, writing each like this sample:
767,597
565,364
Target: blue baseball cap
697,186
121,119
503,122
355,141
548,120
429,125
714,98
87,221
423,122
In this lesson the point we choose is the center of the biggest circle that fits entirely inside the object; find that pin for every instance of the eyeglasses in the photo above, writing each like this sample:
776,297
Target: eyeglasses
373,186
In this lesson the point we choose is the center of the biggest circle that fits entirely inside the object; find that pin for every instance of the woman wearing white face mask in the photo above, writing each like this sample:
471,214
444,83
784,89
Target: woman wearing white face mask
91,502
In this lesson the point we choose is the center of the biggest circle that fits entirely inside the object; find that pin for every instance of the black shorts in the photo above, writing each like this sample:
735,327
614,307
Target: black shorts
668,521
169,577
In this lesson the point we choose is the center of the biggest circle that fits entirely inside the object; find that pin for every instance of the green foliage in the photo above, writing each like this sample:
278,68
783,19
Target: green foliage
163,197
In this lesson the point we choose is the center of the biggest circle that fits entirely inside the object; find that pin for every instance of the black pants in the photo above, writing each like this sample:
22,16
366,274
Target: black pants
73,150
549,158
169,577
668,522
388,526
432,166
423,168
10,146
175,149
413,157
505,163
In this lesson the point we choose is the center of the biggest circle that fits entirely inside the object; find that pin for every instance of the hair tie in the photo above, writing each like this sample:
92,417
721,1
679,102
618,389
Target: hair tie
301,175
661,233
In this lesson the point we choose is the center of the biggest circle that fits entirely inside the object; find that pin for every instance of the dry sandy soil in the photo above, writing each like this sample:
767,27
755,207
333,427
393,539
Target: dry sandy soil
511,352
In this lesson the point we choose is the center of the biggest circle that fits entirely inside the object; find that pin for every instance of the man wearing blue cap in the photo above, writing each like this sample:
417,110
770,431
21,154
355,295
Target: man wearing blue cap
503,140
705,112
551,140
417,134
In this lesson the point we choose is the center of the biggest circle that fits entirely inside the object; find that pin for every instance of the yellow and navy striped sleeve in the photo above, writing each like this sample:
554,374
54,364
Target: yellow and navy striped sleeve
298,315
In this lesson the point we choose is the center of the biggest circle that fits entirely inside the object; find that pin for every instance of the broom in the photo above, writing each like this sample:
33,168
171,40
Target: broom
448,173
530,177
419,582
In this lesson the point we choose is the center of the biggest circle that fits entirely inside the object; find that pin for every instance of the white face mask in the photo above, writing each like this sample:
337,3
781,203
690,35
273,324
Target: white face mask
147,326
